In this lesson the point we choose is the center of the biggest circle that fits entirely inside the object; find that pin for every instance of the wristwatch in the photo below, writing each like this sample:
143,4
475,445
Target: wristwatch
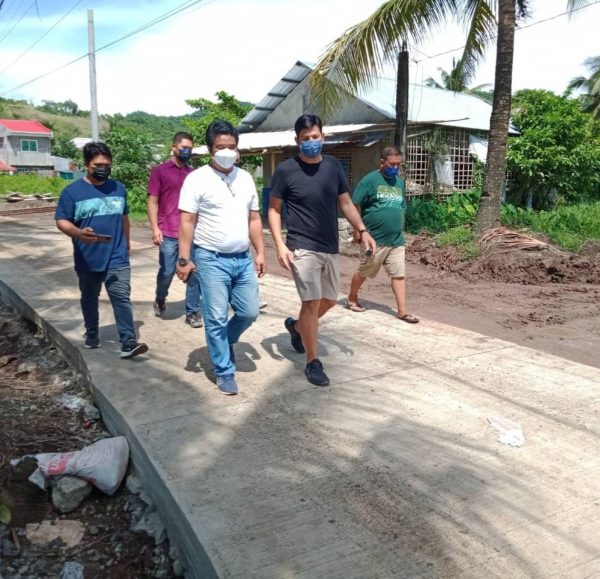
365,230
183,261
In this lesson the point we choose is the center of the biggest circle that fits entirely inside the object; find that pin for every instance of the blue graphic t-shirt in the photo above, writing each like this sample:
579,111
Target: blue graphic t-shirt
102,208
382,204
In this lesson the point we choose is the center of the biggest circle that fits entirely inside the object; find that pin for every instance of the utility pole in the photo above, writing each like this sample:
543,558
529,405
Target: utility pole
92,56
400,129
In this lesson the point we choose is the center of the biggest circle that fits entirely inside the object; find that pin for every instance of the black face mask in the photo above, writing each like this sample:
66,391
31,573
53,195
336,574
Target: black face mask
101,173
184,154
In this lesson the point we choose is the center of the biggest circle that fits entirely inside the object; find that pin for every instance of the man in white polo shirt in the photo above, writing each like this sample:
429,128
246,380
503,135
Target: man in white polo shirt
219,216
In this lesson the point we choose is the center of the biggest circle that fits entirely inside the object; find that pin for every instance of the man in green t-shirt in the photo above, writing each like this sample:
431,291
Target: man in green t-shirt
380,199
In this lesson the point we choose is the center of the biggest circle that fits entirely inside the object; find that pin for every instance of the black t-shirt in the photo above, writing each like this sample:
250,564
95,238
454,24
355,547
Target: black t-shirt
310,192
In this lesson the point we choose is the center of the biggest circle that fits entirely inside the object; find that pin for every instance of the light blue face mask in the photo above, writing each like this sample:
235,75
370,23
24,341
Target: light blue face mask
391,172
311,148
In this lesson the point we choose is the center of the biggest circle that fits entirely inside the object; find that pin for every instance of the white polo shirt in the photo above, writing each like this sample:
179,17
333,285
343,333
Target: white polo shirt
222,204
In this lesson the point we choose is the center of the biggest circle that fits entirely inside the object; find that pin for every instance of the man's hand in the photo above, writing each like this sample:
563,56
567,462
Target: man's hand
356,236
183,272
260,264
87,235
368,243
157,236
285,257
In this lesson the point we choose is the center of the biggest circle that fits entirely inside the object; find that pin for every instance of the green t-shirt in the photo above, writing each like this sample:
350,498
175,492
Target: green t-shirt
382,205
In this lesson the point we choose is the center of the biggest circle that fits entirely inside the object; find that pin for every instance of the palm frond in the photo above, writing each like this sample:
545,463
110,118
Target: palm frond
482,28
358,57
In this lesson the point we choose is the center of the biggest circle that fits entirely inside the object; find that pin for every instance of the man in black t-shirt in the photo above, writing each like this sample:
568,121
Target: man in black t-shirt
312,186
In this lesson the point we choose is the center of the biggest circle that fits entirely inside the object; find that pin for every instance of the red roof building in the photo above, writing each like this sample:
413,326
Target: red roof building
6,168
26,145
21,127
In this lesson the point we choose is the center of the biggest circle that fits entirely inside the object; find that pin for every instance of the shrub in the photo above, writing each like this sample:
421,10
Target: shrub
432,215
568,226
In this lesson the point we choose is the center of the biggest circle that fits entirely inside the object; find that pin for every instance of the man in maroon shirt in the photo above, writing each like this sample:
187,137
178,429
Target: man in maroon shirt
164,186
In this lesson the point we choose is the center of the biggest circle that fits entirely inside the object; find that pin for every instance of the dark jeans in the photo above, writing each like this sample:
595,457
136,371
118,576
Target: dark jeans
118,287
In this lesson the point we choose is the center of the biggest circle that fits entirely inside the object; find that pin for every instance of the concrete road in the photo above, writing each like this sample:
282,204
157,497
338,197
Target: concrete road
393,471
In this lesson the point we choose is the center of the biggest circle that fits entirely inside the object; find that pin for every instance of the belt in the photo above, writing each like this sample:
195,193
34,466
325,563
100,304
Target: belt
244,253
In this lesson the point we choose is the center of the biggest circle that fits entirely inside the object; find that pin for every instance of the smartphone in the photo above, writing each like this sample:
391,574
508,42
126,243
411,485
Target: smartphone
103,237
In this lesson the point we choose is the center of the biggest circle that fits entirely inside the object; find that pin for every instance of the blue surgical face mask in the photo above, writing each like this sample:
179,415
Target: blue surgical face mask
311,148
184,154
391,172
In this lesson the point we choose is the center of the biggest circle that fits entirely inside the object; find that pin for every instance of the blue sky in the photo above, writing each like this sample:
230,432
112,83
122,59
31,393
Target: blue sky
241,46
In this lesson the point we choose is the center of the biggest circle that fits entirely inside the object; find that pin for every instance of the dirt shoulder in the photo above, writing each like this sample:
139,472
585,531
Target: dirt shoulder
546,300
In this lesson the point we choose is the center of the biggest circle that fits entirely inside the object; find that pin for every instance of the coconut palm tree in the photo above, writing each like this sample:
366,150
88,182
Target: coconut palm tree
450,81
359,56
590,87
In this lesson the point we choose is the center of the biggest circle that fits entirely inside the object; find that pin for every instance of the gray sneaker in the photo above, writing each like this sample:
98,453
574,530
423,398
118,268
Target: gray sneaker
194,320
227,385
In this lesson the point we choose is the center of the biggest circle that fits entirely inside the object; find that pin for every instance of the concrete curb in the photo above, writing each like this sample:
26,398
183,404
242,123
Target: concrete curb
196,561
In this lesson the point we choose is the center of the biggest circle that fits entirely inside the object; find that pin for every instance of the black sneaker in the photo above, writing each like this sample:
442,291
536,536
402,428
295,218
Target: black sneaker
159,308
91,339
133,348
314,373
296,337
194,320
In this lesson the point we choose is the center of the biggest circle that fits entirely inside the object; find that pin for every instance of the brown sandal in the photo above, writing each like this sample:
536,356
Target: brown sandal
354,307
409,319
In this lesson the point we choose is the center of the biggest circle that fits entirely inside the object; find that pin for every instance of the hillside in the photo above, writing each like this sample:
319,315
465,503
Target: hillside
161,129
78,125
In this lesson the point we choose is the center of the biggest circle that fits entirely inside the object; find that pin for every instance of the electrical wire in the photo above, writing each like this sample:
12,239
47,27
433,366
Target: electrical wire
43,36
6,34
517,29
157,20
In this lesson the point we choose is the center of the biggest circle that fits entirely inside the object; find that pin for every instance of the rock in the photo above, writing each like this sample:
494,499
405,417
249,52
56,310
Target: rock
5,360
28,367
72,570
151,524
178,569
68,492
91,412
68,533
133,484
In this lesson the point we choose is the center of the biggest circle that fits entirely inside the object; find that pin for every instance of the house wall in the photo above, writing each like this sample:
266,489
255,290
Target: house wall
10,150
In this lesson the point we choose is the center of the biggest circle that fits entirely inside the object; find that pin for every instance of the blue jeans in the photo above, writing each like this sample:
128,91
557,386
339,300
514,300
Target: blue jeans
118,287
226,279
167,259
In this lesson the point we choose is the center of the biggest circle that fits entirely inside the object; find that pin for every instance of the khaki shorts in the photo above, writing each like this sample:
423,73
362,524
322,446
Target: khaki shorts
392,259
316,274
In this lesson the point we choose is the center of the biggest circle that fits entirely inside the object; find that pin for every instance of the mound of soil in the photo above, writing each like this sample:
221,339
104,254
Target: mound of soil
529,267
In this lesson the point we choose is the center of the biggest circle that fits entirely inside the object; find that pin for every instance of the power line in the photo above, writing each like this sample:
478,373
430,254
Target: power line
6,34
157,20
517,30
43,36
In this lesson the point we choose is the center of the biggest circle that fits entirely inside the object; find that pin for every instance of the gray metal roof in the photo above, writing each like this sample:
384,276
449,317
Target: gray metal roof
275,96
426,105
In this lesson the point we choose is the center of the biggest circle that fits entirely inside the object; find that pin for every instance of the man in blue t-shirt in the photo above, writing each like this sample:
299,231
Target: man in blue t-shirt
313,187
93,212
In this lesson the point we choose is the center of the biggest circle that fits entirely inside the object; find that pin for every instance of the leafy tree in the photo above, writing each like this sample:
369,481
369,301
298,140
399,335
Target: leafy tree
227,108
590,97
557,152
133,156
62,146
358,57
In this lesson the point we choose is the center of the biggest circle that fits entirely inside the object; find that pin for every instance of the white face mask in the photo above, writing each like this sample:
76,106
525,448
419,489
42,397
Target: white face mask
225,158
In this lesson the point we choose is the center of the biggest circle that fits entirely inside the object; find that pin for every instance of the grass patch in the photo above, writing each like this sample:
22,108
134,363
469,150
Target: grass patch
30,184
460,237
568,227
